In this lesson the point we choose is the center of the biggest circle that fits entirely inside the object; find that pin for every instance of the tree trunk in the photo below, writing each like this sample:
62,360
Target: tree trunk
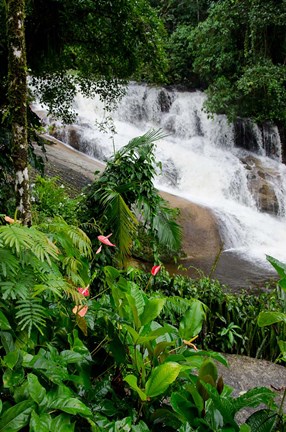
17,93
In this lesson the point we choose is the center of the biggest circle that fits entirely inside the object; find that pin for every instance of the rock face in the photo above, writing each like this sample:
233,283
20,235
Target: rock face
262,139
261,183
245,373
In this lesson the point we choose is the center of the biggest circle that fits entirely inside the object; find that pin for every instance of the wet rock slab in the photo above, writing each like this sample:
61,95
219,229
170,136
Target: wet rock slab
245,373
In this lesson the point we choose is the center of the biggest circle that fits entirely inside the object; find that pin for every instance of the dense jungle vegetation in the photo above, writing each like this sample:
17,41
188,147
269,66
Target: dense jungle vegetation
88,342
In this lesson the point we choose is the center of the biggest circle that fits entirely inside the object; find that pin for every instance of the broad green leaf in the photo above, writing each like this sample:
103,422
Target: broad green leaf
40,423
278,265
16,417
71,406
182,405
36,390
71,356
138,296
133,333
161,346
76,344
137,339
7,341
192,322
208,368
224,406
152,309
282,283
134,310
1,406
62,423
111,274
268,318
282,346
12,358
141,427
214,355
13,378
132,381
161,377
244,428
4,323
166,329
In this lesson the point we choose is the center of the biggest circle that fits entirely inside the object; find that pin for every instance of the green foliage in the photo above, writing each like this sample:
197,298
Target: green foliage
119,365
268,318
235,51
33,263
231,319
124,196
51,199
120,40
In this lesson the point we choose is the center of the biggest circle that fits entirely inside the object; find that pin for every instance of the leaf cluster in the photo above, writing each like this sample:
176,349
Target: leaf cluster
36,267
124,197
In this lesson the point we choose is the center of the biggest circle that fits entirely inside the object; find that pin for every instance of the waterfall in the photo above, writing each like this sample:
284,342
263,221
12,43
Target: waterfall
233,169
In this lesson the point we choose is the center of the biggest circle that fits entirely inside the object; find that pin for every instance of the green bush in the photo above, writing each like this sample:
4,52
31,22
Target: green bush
231,322
50,199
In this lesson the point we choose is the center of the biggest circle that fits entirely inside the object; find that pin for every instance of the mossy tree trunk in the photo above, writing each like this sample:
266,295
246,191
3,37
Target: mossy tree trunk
17,93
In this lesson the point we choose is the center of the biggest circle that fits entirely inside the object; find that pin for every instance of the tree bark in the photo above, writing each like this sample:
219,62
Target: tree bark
17,93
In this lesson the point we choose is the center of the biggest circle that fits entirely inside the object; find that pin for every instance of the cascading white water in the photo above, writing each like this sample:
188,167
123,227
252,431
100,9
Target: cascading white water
200,162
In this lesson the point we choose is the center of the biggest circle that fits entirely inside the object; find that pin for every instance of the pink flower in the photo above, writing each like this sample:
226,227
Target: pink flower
84,291
104,240
80,310
155,270
99,249
9,220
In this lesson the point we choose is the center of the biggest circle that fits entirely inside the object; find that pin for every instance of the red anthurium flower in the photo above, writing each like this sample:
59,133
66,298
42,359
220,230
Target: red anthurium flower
155,270
9,220
84,291
80,310
104,240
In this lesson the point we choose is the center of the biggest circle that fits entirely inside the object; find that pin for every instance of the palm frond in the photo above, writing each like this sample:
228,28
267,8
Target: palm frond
122,220
169,233
138,143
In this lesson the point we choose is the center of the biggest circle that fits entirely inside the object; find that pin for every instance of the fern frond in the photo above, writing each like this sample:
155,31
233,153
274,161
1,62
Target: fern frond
20,238
30,313
16,237
9,265
80,240
70,238
43,248
19,285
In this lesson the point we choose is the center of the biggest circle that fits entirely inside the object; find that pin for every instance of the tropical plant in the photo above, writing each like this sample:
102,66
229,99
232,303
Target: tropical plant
269,318
224,307
124,197
50,199
106,362
36,266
